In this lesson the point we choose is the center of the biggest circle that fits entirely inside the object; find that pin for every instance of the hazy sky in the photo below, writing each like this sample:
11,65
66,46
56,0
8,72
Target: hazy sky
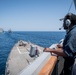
33,15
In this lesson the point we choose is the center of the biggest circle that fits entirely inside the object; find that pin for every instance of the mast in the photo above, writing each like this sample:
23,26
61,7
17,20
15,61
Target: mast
75,3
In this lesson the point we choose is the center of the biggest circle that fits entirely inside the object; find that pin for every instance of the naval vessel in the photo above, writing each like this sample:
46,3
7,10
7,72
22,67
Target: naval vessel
1,30
29,59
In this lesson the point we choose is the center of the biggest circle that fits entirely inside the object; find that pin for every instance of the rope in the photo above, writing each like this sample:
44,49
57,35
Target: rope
67,13
70,6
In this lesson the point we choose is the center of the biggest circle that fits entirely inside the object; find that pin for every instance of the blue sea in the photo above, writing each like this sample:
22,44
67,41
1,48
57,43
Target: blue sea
7,41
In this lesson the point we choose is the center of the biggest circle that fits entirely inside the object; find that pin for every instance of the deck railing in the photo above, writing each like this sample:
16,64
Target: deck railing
49,66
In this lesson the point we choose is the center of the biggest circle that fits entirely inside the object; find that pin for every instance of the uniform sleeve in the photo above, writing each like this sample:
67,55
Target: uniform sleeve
70,46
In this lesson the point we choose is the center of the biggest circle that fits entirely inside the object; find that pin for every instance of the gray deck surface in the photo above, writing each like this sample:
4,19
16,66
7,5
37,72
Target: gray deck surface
19,58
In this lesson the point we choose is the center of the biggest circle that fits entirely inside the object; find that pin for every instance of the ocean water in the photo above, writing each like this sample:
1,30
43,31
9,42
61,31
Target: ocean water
7,41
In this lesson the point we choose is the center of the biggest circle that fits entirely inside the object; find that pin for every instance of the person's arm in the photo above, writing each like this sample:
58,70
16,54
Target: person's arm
59,52
59,46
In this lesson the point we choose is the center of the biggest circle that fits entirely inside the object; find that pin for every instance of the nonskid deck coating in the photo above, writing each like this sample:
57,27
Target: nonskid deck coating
19,58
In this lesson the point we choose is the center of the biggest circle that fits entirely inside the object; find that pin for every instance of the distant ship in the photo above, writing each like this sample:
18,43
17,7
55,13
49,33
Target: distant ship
9,30
1,30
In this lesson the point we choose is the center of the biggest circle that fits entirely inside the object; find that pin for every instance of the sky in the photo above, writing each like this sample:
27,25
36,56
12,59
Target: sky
33,15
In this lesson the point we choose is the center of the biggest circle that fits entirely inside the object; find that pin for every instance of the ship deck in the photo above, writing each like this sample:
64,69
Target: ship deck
19,58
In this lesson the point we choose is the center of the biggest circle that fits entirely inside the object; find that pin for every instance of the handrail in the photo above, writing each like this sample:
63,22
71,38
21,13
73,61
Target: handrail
49,66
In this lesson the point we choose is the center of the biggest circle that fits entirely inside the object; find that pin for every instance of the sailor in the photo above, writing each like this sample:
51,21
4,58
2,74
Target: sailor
68,50
37,52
